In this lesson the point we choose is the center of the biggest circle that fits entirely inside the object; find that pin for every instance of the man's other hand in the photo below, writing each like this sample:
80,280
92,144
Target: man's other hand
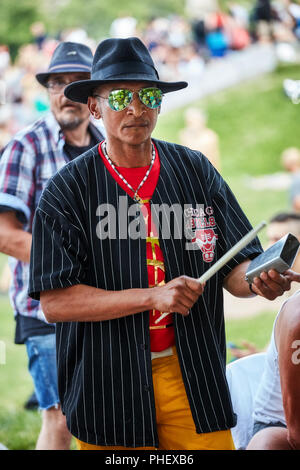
272,284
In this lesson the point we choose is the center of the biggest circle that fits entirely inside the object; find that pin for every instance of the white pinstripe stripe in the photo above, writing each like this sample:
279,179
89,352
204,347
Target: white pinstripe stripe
112,383
93,382
42,258
80,228
66,359
66,251
102,383
153,418
32,260
131,379
122,397
119,328
52,256
84,399
64,181
62,261
46,213
78,188
76,380
212,182
72,396
139,374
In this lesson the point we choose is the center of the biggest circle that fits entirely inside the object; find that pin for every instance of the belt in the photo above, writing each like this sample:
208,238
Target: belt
164,353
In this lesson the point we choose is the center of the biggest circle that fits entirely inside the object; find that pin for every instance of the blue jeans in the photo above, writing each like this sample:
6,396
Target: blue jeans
41,352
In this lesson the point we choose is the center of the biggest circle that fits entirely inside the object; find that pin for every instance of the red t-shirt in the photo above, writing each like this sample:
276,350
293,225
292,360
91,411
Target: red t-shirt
162,334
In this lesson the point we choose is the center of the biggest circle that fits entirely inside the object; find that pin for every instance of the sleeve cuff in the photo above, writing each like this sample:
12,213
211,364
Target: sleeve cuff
47,284
238,259
15,203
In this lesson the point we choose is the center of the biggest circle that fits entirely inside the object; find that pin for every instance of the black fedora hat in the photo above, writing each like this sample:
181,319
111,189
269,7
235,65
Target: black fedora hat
68,57
118,59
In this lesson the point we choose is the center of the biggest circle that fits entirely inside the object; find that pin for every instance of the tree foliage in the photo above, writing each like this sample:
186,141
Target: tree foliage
16,18
96,16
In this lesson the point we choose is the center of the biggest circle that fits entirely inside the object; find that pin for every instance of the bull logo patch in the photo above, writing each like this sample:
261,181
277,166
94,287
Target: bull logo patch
201,229
206,240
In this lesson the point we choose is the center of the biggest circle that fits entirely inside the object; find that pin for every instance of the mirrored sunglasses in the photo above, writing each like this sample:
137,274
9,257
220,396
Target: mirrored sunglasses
118,100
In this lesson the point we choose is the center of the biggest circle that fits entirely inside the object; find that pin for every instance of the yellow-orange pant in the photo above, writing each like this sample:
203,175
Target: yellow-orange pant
175,425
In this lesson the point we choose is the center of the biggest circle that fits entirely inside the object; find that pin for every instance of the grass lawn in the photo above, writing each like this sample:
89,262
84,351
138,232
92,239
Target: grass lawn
18,427
256,330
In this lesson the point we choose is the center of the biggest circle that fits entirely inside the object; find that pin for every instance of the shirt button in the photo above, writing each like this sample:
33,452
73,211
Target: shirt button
147,388
143,347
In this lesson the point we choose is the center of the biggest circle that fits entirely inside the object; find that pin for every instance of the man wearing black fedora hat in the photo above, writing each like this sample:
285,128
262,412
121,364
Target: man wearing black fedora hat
27,162
121,236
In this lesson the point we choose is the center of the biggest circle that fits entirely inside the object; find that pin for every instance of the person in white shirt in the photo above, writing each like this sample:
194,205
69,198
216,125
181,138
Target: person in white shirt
276,405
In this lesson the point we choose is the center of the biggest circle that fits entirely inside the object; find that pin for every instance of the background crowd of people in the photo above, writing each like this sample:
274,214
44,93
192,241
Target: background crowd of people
180,46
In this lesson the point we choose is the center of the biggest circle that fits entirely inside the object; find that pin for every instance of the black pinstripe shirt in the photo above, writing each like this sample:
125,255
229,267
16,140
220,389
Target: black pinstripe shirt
104,368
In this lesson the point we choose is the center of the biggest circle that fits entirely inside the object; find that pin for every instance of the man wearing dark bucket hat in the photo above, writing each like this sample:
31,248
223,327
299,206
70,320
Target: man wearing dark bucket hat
121,235
27,162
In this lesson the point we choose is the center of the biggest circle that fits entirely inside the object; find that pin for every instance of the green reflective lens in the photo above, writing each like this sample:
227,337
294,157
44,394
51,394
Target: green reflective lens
120,99
151,97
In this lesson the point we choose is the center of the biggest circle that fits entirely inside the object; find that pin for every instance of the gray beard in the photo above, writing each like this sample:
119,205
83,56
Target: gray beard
70,125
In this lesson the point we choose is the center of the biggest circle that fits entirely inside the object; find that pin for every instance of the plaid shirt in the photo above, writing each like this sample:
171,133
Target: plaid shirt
26,164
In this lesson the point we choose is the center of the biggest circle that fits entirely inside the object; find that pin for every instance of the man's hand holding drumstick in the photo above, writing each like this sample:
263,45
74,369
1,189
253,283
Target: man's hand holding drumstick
180,294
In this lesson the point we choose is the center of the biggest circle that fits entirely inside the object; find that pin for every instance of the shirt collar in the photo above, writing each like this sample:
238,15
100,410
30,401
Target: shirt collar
54,127
58,133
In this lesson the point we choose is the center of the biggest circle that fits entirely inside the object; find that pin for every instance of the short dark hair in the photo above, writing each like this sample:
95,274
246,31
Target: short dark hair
285,217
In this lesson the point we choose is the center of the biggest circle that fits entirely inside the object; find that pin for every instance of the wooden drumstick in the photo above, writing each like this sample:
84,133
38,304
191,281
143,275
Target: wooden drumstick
225,258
